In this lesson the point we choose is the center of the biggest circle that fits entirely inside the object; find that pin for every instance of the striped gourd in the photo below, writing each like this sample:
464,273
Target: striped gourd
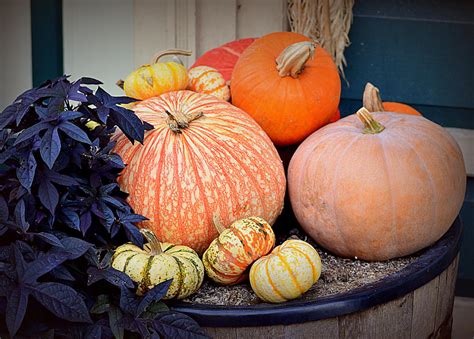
286,273
159,262
158,78
208,80
236,248
205,157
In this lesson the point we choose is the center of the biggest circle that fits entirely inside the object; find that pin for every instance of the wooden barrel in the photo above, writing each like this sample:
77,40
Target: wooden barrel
415,302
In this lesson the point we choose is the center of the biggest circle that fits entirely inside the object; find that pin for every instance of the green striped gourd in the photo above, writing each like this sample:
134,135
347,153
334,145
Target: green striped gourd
158,262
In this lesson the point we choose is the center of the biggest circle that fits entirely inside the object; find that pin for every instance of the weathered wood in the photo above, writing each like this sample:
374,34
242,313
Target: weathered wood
425,312
257,18
425,300
444,307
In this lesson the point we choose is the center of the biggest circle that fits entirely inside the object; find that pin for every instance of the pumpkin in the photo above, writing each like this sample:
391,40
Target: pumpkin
372,101
204,157
208,80
287,272
377,192
336,116
236,248
288,84
158,78
158,262
224,58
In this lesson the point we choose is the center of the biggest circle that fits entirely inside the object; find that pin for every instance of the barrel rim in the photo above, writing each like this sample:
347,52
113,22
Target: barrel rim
429,265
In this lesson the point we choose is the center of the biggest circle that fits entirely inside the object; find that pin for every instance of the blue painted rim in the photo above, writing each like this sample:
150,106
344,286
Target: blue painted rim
429,265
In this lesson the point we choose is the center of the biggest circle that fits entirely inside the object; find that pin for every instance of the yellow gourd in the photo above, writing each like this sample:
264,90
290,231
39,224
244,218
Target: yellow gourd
208,80
159,262
158,78
238,246
286,273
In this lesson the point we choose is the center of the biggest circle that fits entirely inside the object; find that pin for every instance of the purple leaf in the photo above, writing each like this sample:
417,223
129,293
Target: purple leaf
8,114
110,275
89,81
75,247
61,300
62,273
128,301
153,295
26,172
31,132
115,322
133,233
48,195
3,209
50,146
129,123
61,179
74,132
70,218
70,115
20,218
20,264
49,238
17,300
85,222
44,264
177,325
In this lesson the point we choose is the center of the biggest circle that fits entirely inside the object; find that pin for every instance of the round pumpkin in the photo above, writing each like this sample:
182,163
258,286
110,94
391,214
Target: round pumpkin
158,78
236,248
288,84
208,80
377,192
286,273
159,262
224,58
204,157
372,101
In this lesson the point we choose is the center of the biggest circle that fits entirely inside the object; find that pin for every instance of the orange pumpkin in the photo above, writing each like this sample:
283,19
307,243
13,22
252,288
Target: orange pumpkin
377,193
372,101
237,247
204,157
288,84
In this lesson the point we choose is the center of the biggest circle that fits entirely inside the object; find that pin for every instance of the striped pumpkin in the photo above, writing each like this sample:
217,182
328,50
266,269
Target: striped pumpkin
286,273
208,80
159,262
236,248
205,157
158,78
224,58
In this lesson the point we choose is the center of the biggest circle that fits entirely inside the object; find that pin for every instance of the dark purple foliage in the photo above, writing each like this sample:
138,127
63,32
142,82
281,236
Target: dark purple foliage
61,212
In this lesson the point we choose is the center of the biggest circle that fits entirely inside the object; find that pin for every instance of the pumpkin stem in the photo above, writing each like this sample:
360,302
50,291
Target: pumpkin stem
159,55
293,58
218,225
371,98
177,120
120,83
372,126
155,245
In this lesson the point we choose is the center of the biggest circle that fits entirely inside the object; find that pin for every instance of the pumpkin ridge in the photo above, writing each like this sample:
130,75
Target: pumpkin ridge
127,261
229,255
146,280
423,163
247,249
290,273
270,281
180,281
334,183
313,269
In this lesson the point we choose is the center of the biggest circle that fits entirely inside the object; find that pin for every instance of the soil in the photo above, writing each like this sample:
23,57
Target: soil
338,275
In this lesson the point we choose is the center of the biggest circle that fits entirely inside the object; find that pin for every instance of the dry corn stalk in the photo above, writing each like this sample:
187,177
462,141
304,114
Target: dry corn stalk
325,21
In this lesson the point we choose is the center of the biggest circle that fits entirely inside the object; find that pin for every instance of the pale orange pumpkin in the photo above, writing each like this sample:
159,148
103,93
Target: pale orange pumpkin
381,192
372,101
205,157
288,84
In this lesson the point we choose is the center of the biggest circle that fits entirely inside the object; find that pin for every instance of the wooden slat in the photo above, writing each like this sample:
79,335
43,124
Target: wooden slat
186,28
425,300
103,51
215,23
444,307
257,18
393,319
15,57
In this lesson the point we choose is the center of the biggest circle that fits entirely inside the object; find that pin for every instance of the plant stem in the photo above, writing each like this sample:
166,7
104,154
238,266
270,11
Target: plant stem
157,57
372,126
371,98
155,245
178,121
293,58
